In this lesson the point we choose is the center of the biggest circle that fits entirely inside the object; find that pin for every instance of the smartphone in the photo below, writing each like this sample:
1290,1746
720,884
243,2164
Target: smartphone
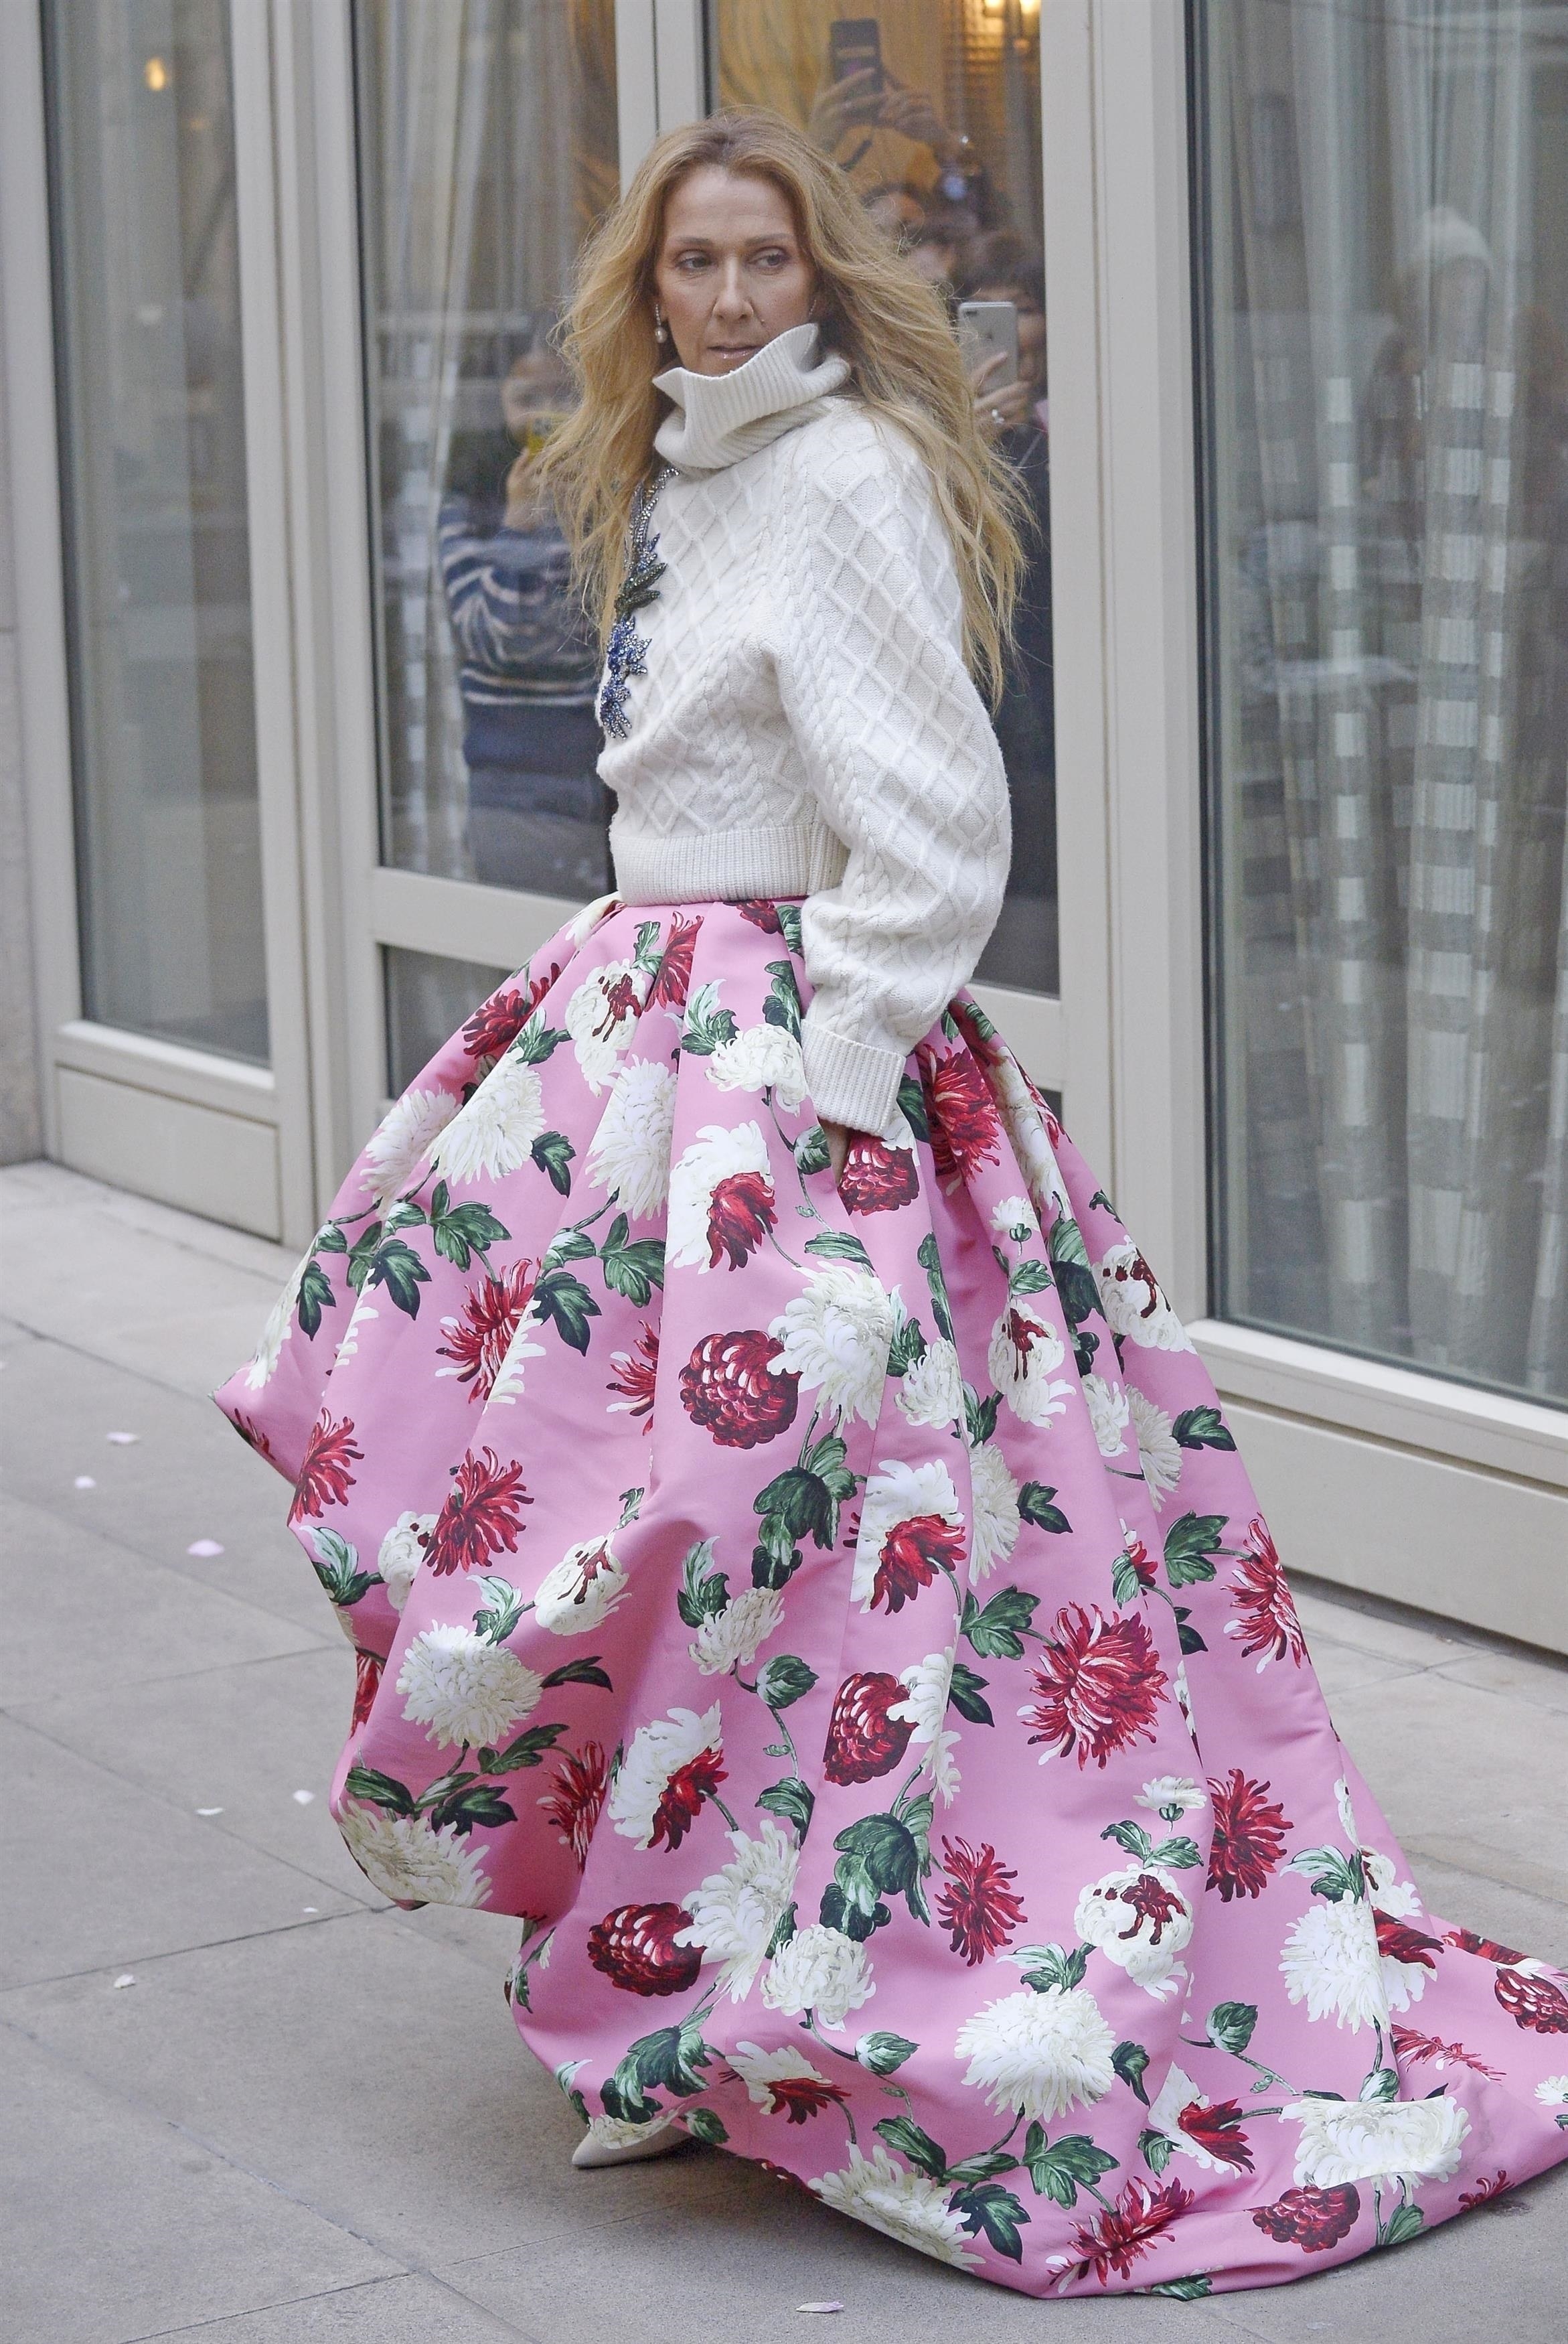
855,45
988,329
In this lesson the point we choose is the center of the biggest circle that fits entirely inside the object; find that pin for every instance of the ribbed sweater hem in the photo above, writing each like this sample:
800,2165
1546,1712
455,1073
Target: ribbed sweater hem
852,1083
726,866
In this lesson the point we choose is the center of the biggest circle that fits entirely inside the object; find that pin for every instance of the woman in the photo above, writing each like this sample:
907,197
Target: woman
794,1552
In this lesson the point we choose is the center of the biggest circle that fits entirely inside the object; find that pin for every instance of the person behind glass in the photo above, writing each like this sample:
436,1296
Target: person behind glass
528,664
1015,417
748,1340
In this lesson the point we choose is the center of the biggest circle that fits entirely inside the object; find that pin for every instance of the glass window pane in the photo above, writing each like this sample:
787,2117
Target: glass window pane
487,149
152,433
1384,219
428,998
934,112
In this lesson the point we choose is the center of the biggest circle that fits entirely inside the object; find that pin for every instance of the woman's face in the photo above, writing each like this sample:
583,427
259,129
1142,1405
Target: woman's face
730,273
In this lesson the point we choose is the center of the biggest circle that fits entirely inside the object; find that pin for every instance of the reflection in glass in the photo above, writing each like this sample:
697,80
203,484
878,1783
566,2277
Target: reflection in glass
428,998
152,437
488,148
934,113
1386,200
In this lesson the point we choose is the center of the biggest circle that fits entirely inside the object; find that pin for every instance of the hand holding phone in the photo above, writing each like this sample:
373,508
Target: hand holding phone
988,330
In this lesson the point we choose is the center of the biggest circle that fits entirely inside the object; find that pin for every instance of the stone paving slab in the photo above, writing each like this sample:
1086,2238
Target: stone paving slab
314,2126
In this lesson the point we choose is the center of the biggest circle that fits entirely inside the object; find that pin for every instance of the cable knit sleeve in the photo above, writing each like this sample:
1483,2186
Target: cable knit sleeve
901,758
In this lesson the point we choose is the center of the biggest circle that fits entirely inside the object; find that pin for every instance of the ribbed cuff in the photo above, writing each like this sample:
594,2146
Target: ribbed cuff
851,1083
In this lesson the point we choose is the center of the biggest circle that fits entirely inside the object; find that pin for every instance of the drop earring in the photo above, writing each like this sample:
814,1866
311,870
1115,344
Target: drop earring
661,330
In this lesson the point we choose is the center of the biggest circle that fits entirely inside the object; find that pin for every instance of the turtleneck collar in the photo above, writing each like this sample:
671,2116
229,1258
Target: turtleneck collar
720,418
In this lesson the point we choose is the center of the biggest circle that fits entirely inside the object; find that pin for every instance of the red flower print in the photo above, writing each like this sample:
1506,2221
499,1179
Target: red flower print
1139,2219
672,977
1409,2045
1313,2219
961,1115
1398,1942
1249,1837
680,1801
911,1555
1218,2129
1266,1618
367,1667
635,1374
1489,2186
1487,1948
1533,2002
576,1795
740,1213
635,1949
324,1479
1149,1898
621,999
977,1904
878,1178
497,1023
252,1434
761,914
479,1338
482,1514
1145,1567
1133,1270
863,1741
730,1388
1097,1686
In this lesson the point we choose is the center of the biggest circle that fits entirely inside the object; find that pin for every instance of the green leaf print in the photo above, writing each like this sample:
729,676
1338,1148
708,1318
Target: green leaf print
336,1565
1074,1277
707,1025
884,2054
315,1294
527,1750
784,1680
330,1240
569,1245
702,2124
566,1299
998,1631
477,1806
1185,2290
1034,1505
1125,1583
704,1593
538,1041
1191,1545
1155,2149
1028,1278
1177,1854
666,2061
586,1671
552,1151
882,1855
912,1107
789,927
1133,1838
632,1270
460,1231
844,1913
377,1790
966,1691
1130,2060
1061,2168
810,1150
930,1261
1201,1427
907,1348
838,1245
1053,1966
792,1799
1187,1635
500,1613
1332,1874
1404,2222
911,2141
990,2208
782,1007
1229,2025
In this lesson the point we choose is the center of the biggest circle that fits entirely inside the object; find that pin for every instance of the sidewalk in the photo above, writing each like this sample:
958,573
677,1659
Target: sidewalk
254,2104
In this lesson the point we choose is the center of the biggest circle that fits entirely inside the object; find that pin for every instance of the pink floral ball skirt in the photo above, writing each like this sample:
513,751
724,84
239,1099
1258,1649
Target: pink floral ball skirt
838,1624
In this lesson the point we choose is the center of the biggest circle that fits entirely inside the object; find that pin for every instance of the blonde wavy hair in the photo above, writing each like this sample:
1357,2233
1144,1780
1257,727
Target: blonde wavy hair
874,309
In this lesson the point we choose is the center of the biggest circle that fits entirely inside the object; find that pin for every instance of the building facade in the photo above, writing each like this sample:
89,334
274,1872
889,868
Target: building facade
297,739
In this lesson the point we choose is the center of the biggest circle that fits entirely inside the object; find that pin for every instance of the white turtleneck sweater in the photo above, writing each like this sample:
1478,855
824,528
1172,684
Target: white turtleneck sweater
806,724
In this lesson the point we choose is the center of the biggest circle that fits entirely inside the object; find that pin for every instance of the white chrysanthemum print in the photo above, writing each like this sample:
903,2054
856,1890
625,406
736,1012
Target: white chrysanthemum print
402,1552
347,1348
835,1337
1403,2141
412,1864
1039,2052
715,1155
1013,1217
1027,1136
1552,2091
279,1328
1176,2093
1183,1692
925,1708
932,1391
1132,1304
1347,1812
737,1909
768,2074
615,2132
1171,1796
820,1970
731,1637
507,1388
997,1520
660,1751
403,1138
463,1689
1109,1413
602,1018
1024,1354
920,1494
630,1151
760,1058
582,1590
581,925
905,2206
1391,1894
1157,1450
1331,1962
494,1133
1138,1919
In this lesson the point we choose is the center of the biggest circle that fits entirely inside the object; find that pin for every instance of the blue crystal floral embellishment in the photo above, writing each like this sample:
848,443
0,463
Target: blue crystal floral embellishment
626,655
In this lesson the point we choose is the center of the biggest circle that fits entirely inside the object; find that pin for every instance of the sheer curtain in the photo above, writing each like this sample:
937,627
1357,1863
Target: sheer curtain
1398,599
